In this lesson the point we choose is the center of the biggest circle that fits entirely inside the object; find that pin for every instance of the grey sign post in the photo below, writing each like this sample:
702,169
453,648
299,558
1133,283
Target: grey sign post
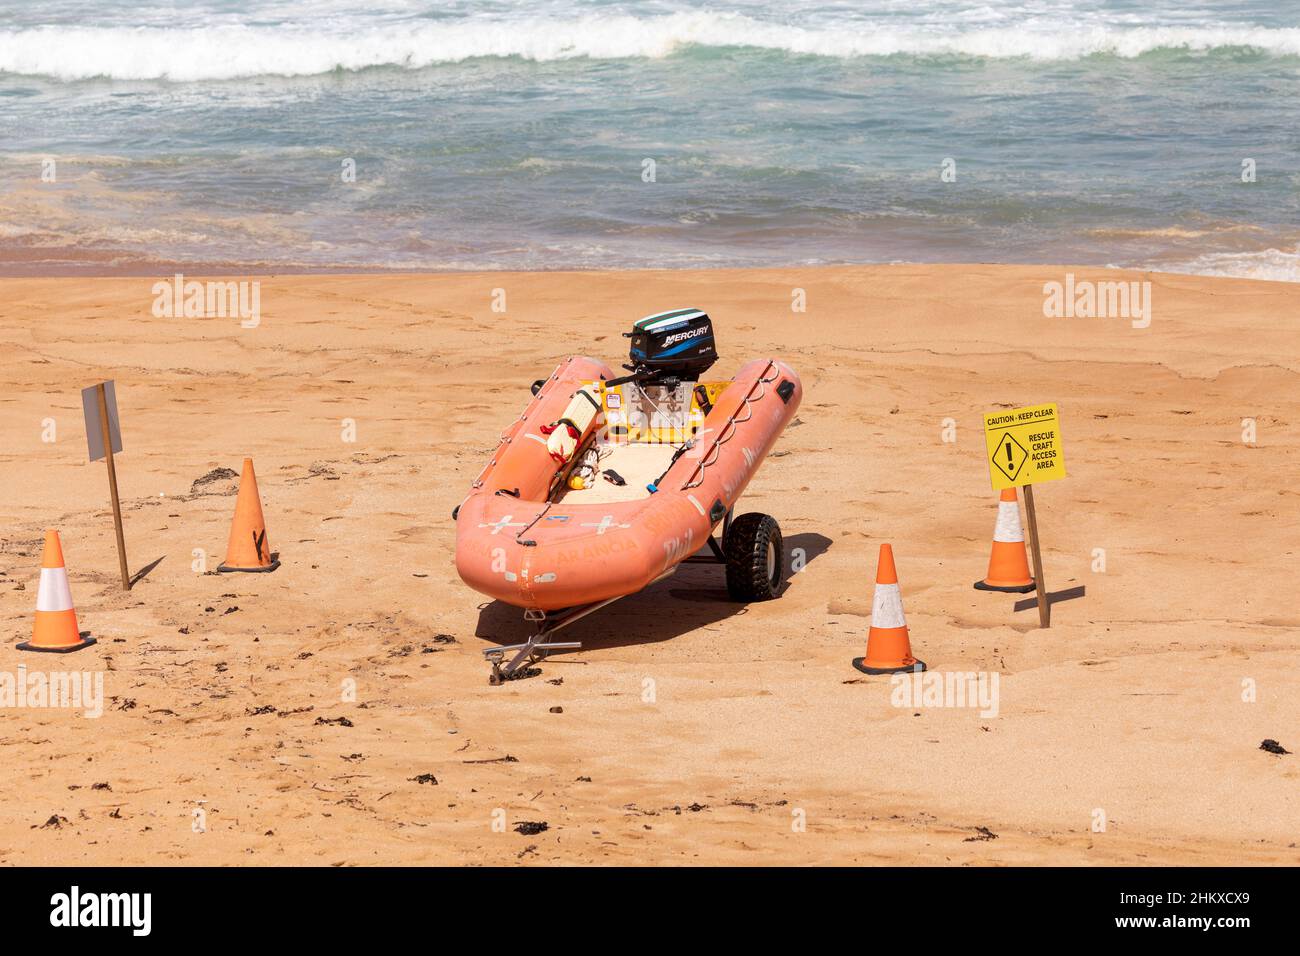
103,438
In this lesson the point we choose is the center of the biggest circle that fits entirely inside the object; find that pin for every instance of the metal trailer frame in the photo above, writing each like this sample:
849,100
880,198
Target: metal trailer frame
538,646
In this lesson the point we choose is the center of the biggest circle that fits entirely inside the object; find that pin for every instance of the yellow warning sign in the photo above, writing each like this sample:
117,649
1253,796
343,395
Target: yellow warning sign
1024,446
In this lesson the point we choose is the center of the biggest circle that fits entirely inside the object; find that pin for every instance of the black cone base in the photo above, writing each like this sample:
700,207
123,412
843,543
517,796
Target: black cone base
85,642
860,664
1007,588
266,570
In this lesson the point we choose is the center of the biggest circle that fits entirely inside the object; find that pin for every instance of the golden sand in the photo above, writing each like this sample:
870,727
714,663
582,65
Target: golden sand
692,730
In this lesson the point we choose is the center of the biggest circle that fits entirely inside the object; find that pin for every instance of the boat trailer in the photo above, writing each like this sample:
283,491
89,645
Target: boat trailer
539,645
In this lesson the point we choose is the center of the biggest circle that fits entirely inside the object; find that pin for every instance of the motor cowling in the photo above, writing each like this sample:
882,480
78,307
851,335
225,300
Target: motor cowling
676,344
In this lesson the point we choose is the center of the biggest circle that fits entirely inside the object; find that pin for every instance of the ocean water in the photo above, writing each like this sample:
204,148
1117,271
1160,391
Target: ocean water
519,134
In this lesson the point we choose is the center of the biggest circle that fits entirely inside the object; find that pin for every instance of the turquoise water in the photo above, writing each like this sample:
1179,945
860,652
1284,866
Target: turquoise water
515,135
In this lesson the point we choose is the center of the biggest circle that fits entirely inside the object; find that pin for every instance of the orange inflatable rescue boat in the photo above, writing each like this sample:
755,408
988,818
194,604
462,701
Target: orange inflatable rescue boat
607,483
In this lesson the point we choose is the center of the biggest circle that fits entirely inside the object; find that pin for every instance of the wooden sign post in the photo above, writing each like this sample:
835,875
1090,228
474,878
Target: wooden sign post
103,437
1024,447
1044,608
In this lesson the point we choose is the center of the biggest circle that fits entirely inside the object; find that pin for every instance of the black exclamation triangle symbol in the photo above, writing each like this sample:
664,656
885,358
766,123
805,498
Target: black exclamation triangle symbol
1010,467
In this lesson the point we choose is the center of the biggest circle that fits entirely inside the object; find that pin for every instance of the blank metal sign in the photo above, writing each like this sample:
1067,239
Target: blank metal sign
94,426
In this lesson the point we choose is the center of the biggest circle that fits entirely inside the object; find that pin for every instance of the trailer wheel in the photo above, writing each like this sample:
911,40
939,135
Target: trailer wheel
755,557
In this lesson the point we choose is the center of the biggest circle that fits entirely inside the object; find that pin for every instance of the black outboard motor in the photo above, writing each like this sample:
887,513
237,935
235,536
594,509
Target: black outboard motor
671,346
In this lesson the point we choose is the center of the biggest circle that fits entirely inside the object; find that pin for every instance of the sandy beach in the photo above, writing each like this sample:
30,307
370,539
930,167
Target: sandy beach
225,694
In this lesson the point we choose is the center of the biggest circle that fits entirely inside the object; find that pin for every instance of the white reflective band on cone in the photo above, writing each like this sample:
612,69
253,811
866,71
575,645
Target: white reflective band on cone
1008,527
887,607
54,593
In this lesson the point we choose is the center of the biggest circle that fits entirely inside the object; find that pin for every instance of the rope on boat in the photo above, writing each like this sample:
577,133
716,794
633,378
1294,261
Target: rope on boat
523,417
729,430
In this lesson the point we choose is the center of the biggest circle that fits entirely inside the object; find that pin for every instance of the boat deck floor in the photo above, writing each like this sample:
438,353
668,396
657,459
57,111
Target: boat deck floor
638,464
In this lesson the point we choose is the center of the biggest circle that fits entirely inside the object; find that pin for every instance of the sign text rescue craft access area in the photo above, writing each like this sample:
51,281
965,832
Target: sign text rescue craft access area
1024,446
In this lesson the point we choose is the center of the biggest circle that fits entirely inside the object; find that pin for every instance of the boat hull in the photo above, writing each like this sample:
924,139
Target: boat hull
512,545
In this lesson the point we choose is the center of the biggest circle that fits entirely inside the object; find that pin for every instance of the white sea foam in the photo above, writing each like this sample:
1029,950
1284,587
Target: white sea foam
1276,265
300,48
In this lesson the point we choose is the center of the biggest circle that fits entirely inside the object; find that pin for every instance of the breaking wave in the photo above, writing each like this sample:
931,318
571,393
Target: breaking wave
298,49
1276,265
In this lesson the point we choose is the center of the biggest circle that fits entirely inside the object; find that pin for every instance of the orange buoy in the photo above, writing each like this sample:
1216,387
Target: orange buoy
889,649
1009,563
55,630
248,549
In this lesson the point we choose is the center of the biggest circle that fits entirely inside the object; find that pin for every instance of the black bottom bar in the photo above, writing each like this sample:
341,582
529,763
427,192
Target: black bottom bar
988,908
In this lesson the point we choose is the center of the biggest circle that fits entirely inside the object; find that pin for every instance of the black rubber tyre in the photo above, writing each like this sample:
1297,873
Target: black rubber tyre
755,557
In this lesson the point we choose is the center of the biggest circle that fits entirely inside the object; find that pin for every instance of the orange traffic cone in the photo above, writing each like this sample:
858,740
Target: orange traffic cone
55,631
889,650
1009,564
248,549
